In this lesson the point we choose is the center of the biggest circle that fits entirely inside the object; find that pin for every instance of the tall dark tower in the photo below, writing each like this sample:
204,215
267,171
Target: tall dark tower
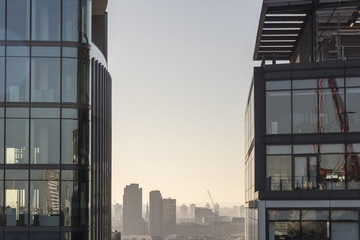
55,92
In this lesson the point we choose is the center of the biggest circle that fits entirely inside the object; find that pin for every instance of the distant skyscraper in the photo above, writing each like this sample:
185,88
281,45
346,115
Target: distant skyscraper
169,216
156,215
118,211
133,222
147,213
183,211
201,213
192,210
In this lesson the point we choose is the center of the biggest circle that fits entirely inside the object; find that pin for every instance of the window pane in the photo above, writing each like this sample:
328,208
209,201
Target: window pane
315,215
17,112
70,203
2,19
284,215
45,112
70,20
352,168
331,82
45,141
2,79
48,174
17,141
299,149
2,50
305,172
302,84
278,149
44,202
85,20
46,20
278,112
69,113
284,230
70,141
279,174
344,215
17,174
2,209
45,77
70,80
18,51
16,202
70,52
17,79
18,20
2,147
353,108
353,82
332,148
332,172
331,110
45,51
304,111
278,85
315,230
344,231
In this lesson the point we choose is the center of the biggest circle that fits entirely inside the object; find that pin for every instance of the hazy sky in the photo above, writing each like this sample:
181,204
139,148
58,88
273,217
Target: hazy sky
181,73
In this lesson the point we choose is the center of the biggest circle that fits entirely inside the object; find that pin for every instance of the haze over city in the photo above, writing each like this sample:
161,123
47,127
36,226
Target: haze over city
182,70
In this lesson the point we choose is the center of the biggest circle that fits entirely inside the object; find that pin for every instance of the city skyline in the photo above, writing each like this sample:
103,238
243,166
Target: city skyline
182,69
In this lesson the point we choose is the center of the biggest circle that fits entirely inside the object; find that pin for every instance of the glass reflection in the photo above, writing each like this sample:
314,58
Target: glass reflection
2,147
332,171
16,203
344,231
278,112
279,172
69,80
45,201
331,118
45,77
315,230
17,79
18,20
284,230
304,111
2,19
352,167
17,141
2,79
70,141
2,209
45,141
353,109
70,199
46,20
70,20
16,235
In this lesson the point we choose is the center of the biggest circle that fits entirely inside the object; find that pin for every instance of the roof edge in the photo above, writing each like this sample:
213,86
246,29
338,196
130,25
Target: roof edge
260,29
99,7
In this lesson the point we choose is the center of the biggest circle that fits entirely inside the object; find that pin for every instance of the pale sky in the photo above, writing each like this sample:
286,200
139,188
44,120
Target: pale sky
181,73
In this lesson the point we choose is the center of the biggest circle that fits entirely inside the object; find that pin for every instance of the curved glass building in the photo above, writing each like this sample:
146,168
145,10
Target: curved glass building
55,120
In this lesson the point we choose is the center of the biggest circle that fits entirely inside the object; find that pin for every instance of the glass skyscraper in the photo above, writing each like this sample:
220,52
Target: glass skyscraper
55,120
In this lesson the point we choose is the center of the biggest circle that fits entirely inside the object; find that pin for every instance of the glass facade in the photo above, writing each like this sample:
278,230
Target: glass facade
321,105
45,122
335,224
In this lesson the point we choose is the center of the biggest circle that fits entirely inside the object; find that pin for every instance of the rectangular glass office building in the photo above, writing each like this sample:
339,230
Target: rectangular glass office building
55,120
303,123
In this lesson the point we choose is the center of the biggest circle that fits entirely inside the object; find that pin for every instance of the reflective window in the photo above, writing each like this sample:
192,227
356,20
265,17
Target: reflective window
44,202
85,20
70,203
306,172
45,51
331,82
284,230
16,235
353,109
45,75
17,112
284,214
69,80
315,230
2,19
2,79
278,85
18,51
45,113
45,141
315,215
353,82
69,113
17,141
70,20
44,235
48,174
278,149
344,231
344,215
46,20
331,118
332,148
304,84
18,20
278,112
17,79
304,111
279,174
299,149
16,202
70,52
70,141
353,167
17,174
332,171
2,209
2,50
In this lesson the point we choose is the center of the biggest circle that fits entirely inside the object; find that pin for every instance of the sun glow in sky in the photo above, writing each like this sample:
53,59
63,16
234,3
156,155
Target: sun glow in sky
181,73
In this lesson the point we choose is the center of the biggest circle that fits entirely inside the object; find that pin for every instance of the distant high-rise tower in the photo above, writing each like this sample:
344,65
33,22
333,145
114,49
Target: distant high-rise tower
132,215
156,215
183,211
169,216
192,210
